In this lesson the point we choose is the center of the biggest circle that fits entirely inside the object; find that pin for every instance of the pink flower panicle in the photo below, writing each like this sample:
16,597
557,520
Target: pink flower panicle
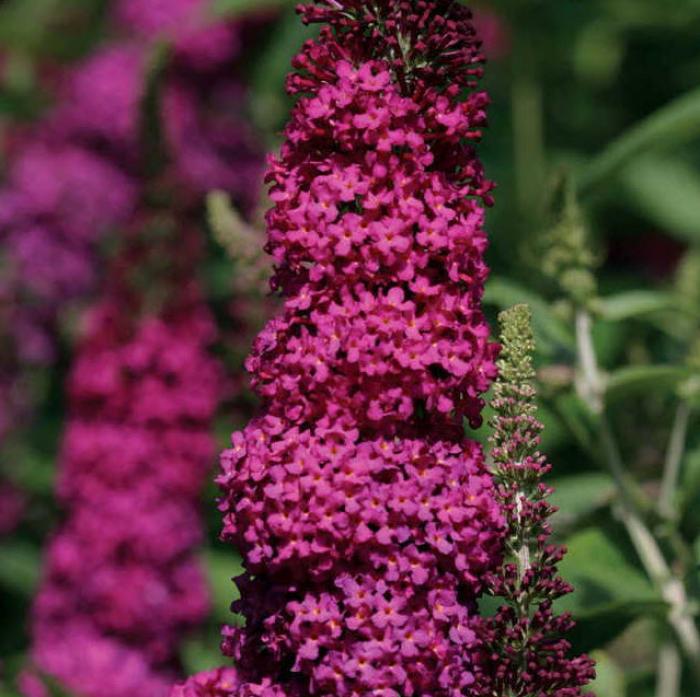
525,651
135,454
366,520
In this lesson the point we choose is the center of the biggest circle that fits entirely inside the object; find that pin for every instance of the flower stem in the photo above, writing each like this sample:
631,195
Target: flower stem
528,132
671,588
668,674
674,456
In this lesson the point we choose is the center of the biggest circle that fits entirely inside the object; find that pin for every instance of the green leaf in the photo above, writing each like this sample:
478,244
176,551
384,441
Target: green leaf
689,493
222,566
610,678
603,578
578,419
667,192
610,591
674,124
651,14
579,495
633,380
20,565
24,23
550,331
599,627
635,304
37,472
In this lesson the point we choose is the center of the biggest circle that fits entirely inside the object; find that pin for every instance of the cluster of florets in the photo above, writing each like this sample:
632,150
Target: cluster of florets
135,455
367,521
223,682
309,504
377,232
60,199
363,632
200,42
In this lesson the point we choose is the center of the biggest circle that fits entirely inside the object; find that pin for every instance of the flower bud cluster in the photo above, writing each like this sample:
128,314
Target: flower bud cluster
525,650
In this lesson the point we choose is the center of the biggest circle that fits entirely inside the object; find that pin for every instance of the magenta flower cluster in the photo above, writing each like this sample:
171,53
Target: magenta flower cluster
78,173
121,581
366,520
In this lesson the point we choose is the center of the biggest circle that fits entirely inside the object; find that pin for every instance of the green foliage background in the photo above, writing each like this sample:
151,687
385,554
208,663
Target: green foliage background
604,92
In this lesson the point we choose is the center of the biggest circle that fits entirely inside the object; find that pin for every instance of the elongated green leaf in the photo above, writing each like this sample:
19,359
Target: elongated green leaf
269,102
673,124
610,592
636,303
17,31
652,14
598,628
595,567
581,494
550,331
667,192
635,380
151,127
689,494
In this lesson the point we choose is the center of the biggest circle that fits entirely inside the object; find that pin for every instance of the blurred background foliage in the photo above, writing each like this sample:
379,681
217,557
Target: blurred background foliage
602,93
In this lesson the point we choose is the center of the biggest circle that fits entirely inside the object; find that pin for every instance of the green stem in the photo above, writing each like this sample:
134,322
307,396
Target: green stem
669,669
674,457
671,588
528,132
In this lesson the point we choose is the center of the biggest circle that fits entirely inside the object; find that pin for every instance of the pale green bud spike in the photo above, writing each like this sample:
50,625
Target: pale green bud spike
241,241
518,345
566,256
225,222
515,428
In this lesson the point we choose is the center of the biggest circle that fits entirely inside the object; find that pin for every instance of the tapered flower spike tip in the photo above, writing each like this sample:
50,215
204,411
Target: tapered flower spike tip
565,255
516,429
518,345
526,631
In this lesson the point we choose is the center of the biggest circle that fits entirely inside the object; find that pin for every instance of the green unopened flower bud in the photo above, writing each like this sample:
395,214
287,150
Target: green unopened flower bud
565,256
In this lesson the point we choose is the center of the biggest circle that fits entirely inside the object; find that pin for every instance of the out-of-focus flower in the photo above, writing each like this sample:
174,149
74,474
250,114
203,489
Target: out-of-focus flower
494,32
121,583
78,173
